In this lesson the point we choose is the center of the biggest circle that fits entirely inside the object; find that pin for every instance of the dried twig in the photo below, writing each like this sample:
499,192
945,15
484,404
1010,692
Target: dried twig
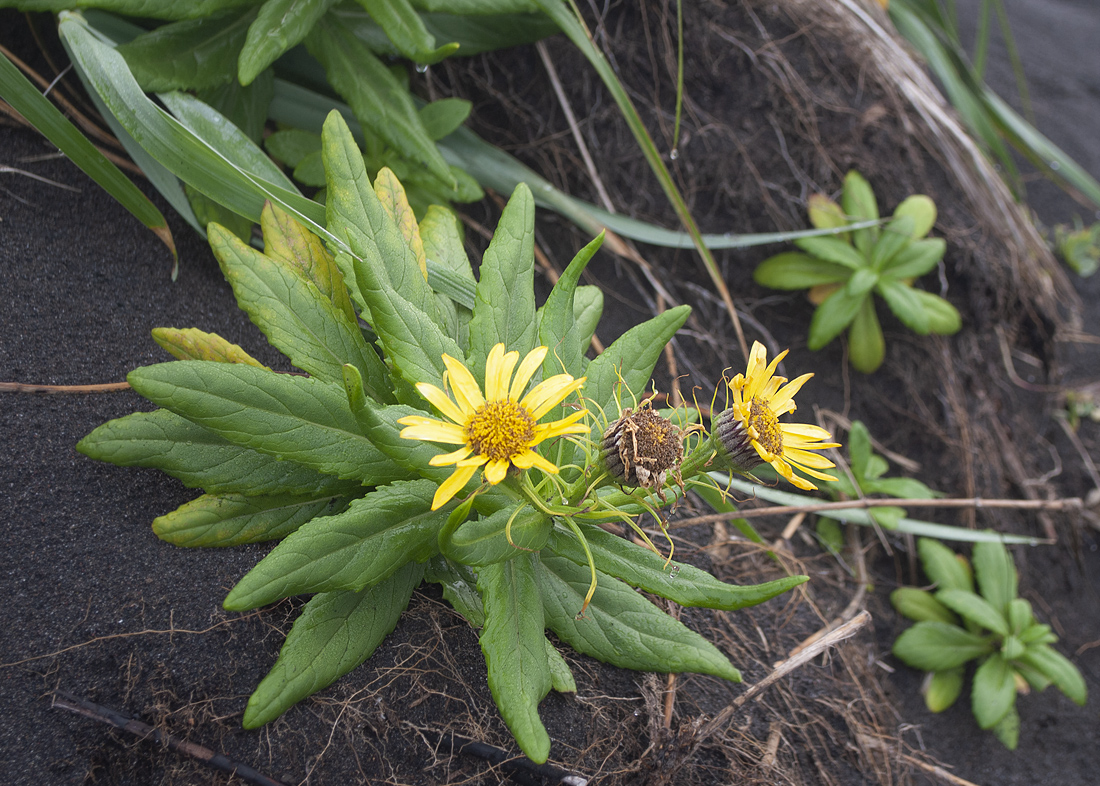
19,387
143,730
519,768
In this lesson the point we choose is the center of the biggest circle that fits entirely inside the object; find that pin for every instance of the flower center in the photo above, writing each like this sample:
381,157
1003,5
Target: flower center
766,424
500,430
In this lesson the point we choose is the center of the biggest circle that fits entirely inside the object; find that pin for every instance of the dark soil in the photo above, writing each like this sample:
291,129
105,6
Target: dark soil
97,607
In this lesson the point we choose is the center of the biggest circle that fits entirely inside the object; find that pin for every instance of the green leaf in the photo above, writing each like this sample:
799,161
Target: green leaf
895,236
504,306
154,9
561,676
1020,615
859,449
208,211
195,344
905,303
1008,729
902,488
189,55
442,117
943,566
336,632
684,584
1058,669
279,25
375,537
556,327
515,649
826,214
40,112
380,102
943,318
994,691
1012,648
291,145
244,106
620,626
198,457
405,29
587,310
631,359
236,519
996,575
918,258
795,270
866,345
935,646
832,316
922,210
303,420
485,541
943,688
920,606
296,317
974,608
832,249
1037,633
858,201
861,282
459,585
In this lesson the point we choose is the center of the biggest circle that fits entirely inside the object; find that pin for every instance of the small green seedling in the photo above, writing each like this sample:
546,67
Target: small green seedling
866,478
842,271
955,625
1078,246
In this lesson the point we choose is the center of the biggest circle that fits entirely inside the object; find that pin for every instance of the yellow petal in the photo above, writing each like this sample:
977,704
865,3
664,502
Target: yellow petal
527,369
805,430
498,372
467,393
806,458
444,459
782,402
451,486
549,393
437,431
441,401
557,428
496,470
533,459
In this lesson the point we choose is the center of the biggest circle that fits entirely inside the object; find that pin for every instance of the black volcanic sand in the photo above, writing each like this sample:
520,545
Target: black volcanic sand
95,605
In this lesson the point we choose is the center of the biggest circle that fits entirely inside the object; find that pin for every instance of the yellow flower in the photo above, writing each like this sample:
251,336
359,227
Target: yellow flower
496,430
750,431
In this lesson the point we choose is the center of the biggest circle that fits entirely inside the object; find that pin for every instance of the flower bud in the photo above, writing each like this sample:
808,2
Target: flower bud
734,441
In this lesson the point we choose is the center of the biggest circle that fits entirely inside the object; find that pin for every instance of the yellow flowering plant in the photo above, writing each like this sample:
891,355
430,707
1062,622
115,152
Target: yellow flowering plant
447,430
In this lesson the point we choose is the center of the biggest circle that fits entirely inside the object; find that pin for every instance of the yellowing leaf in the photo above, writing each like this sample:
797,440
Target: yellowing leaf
287,240
194,344
392,196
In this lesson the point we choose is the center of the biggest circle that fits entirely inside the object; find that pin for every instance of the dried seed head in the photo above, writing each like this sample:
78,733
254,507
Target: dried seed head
643,449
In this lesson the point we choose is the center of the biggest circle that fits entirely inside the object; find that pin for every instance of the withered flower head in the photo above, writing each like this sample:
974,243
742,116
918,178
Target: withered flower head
643,449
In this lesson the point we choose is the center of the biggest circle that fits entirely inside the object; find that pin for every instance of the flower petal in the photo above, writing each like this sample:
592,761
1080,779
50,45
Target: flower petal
557,428
527,369
496,470
533,459
441,401
782,402
452,485
435,431
498,372
465,387
444,459
549,393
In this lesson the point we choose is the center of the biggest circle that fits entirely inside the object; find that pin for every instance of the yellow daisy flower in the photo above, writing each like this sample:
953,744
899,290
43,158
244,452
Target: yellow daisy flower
750,432
496,430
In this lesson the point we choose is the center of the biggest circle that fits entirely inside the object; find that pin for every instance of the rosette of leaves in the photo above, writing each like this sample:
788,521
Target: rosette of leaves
843,272
317,462
956,625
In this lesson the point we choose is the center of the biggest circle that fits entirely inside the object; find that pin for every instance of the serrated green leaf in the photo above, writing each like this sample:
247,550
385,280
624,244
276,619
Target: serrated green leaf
485,541
297,318
296,418
380,102
895,236
504,305
515,650
996,575
922,210
994,691
1008,729
449,271
207,211
795,270
943,688
279,25
198,457
943,318
391,195
377,535
866,345
920,606
406,30
905,303
974,608
215,520
1058,669
443,116
936,646
631,359
831,317
195,344
336,632
244,106
559,318
918,258
190,55
620,626
943,566
684,584
858,201
459,585
831,249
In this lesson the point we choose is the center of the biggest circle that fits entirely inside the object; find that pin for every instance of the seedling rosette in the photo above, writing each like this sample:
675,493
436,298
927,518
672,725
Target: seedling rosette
353,466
